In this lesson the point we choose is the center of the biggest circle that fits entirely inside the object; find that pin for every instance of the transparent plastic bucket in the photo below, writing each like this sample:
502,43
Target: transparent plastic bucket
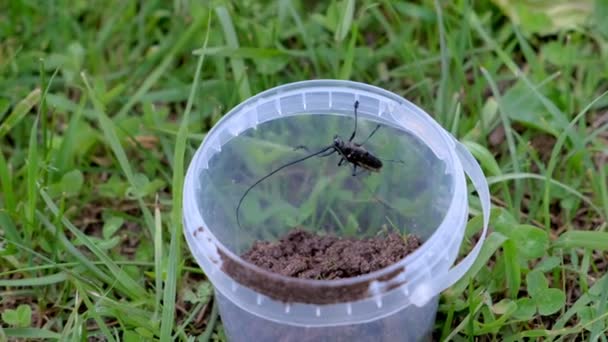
421,190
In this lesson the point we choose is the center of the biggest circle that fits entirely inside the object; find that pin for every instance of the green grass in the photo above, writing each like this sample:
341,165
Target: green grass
103,103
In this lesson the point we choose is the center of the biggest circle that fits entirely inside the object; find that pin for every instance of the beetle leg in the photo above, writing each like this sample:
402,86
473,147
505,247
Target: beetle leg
354,170
368,137
341,162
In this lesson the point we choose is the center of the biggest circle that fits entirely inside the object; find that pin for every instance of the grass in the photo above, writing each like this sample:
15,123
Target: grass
102,104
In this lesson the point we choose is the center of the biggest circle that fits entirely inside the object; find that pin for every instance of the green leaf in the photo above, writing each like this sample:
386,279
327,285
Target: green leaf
531,241
560,54
20,317
132,336
488,119
102,244
536,282
548,264
113,188
547,16
550,301
526,309
521,105
71,183
111,226
143,186
202,295
504,306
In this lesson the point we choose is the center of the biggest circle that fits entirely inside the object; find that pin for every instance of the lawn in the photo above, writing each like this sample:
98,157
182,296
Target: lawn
103,103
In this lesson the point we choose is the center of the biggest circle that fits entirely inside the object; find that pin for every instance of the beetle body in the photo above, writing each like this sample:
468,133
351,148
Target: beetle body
357,155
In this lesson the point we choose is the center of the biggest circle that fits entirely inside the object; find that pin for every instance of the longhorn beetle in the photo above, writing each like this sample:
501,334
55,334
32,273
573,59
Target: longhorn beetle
349,151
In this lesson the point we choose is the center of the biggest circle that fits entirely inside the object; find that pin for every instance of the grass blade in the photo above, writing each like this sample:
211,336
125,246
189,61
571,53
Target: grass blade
32,178
92,310
109,132
42,110
490,246
287,6
581,302
237,64
512,268
558,116
347,67
20,111
68,146
555,156
241,52
346,21
155,75
8,226
583,239
509,135
173,262
133,288
442,97
8,194
158,257
524,175
206,336
31,333
39,281
75,252
601,311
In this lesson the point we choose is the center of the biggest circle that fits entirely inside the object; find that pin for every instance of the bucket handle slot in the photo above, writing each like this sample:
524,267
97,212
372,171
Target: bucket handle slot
426,291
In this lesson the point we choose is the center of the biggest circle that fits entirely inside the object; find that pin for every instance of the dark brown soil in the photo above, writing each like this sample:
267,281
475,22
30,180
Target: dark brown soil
306,255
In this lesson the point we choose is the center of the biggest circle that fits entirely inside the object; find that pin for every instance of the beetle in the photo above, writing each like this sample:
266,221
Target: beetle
349,151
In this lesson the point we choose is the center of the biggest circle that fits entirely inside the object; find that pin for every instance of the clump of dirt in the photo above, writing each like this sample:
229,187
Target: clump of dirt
304,255
307,255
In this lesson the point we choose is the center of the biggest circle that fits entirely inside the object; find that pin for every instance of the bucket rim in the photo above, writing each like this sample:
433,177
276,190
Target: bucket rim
454,212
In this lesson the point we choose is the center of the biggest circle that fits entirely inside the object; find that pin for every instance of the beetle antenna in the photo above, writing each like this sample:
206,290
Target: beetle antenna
370,135
355,130
392,161
238,207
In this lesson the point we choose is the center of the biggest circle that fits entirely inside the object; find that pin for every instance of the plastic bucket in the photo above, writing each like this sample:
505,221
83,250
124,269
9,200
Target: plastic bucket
422,191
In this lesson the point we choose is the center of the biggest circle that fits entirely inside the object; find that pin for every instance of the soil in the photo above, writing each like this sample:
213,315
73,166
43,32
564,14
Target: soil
302,254
305,255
